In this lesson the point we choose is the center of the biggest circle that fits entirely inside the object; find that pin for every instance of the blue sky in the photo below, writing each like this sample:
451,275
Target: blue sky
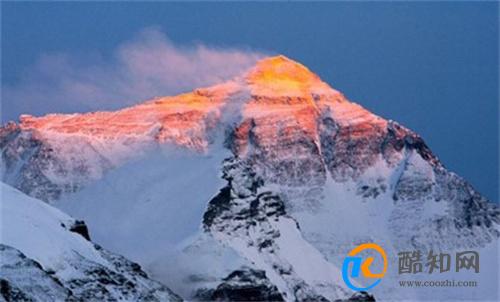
433,67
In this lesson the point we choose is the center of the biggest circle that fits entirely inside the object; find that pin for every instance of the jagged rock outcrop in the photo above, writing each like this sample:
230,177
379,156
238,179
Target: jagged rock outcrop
305,170
243,285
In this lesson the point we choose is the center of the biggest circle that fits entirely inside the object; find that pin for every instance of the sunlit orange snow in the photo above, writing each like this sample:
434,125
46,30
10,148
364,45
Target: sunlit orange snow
275,99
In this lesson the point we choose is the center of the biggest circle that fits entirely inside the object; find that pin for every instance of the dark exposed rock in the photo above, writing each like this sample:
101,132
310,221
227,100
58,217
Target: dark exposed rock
362,297
243,285
80,227
25,158
23,279
285,152
397,137
217,205
11,293
254,214
17,273
28,159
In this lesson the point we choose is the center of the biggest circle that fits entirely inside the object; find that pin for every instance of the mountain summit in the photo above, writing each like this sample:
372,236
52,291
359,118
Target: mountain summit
281,76
276,90
232,186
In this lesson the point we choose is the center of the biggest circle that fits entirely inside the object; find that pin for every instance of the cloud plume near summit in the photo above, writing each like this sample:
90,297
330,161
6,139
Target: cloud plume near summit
149,65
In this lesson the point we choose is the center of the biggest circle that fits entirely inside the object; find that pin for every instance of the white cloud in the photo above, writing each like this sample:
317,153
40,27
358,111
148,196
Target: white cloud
147,66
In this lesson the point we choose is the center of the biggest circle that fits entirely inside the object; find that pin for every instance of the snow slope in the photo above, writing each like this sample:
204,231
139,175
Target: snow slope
233,186
156,204
44,260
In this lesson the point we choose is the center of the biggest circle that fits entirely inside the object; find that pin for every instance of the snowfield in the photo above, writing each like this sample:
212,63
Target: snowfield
44,259
253,189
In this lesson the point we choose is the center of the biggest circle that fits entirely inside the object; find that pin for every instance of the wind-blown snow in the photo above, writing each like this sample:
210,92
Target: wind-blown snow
150,210
308,176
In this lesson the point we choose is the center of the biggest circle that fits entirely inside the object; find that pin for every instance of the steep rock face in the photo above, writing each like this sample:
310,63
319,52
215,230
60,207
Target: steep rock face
251,218
44,260
305,166
243,285
27,160
23,279
61,153
386,163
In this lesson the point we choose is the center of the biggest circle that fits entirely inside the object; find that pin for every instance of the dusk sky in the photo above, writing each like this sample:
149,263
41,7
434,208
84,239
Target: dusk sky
433,67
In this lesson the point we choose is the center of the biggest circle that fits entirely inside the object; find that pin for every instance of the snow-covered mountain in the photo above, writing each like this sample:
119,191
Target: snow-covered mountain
257,187
48,256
